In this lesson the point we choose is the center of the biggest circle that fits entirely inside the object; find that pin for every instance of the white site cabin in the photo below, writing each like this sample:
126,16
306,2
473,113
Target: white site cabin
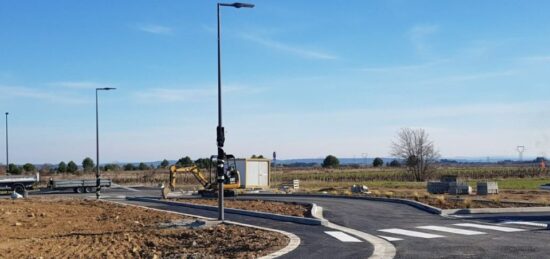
254,172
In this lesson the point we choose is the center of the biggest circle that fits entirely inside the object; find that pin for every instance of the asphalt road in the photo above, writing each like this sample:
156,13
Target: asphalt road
374,217
413,232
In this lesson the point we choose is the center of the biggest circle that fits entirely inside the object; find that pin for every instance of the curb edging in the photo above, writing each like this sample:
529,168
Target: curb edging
449,212
299,220
418,205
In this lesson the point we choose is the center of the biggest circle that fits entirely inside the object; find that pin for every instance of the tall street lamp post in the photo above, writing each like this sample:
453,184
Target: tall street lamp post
7,147
220,136
98,181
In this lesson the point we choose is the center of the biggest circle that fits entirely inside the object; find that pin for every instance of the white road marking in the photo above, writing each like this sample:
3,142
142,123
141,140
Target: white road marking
503,229
453,230
391,238
526,223
342,236
410,233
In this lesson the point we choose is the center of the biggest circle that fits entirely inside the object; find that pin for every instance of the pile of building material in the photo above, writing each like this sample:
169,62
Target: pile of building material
359,189
485,188
449,184
458,188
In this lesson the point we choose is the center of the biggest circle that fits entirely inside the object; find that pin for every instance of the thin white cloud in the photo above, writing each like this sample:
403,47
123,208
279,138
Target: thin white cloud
288,48
536,59
470,77
418,35
155,29
10,92
194,94
402,68
80,84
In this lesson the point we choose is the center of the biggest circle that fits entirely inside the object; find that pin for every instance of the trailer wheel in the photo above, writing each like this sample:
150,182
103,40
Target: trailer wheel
89,189
19,188
79,189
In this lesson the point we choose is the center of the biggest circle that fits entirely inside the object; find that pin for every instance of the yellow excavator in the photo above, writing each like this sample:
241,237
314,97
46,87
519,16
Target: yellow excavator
231,181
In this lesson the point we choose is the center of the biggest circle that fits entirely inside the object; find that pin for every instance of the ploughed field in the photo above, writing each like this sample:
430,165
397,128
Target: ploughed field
69,228
283,208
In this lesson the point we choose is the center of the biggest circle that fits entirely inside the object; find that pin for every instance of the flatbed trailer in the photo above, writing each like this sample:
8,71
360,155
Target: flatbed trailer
18,183
78,185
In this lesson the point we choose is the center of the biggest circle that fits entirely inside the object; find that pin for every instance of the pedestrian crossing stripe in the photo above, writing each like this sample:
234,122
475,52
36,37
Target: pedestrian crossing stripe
410,233
497,228
391,238
453,230
342,236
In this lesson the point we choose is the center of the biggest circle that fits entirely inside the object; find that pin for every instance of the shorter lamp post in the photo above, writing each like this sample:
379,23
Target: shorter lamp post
98,181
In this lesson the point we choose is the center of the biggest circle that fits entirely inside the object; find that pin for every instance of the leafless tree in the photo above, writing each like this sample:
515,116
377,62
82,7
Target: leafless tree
413,146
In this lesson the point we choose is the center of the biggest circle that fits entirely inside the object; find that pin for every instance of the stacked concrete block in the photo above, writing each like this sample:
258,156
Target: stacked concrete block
438,187
448,178
457,188
485,188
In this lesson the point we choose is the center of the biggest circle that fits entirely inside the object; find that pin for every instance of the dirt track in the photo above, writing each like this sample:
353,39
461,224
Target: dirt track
283,208
88,229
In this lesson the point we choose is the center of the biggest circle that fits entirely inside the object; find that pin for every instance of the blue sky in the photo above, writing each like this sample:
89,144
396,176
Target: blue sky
304,79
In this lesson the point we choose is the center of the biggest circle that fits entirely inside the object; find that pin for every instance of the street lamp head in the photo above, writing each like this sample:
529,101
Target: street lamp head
239,5
106,88
7,113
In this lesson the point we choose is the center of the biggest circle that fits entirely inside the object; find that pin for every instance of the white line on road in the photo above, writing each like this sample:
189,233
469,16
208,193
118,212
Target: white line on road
453,230
527,223
342,236
410,233
503,229
391,238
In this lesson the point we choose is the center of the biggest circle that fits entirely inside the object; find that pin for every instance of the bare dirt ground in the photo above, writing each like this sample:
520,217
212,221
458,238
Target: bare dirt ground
72,228
283,208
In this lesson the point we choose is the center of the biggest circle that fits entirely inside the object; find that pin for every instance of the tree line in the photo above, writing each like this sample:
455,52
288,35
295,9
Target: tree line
88,165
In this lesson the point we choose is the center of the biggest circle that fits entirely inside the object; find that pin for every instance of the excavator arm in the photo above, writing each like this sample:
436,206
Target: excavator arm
194,170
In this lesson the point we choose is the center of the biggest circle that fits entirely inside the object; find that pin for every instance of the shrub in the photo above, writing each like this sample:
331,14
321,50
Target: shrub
331,162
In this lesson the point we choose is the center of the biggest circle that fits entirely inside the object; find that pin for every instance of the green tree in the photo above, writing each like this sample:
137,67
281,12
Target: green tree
129,167
395,163
185,161
377,162
143,166
72,167
164,163
88,164
29,168
14,169
331,162
204,163
62,167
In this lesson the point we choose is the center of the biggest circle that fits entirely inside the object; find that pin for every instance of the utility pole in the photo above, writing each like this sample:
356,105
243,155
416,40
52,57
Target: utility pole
520,150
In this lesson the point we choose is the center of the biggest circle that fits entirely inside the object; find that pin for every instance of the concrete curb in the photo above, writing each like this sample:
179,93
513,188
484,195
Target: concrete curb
293,243
419,205
493,210
299,220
